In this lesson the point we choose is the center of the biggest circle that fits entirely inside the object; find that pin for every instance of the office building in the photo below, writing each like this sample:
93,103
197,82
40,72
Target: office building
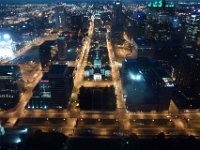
97,21
97,98
100,36
10,76
76,21
144,47
76,26
193,28
61,45
45,52
188,69
41,98
116,34
60,16
118,16
118,21
146,85
86,24
61,82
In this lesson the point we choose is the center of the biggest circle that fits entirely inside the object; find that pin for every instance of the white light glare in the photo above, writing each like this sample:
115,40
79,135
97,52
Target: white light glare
6,36
18,140
136,77
6,46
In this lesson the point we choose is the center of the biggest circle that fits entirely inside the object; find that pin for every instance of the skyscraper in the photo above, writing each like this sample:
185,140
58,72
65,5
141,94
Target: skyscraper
61,44
146,85
60,17
41,98
45,52
61,82
118,19
193,28
188,69
10,76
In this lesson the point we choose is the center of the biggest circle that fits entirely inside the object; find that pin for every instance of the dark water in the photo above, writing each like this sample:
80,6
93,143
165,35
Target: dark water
30,55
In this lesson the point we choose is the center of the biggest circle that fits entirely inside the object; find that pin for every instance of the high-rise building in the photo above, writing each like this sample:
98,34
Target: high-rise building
41,98
144,48
76,21
118,21
61,44
60,16
118,18
45,52
97,21
76,26
86,24
198,40
100,36
188,69
193,28
10,75
61,82
146,85
162,31
186,98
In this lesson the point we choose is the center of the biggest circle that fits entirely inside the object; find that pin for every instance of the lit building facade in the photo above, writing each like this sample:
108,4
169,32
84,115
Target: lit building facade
193,28
188,69
41,98
61,82
60,17
45,54
10,75
99,68
117,18
62,47
118,21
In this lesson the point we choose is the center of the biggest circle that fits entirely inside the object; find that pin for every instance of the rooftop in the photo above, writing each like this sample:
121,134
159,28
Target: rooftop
146,70
9,70
186,99
47,44
57,70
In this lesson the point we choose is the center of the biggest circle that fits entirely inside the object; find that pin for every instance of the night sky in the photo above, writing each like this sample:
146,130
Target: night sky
50,1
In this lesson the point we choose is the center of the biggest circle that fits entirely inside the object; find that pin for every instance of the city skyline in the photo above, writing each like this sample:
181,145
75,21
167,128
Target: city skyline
64,1
120,73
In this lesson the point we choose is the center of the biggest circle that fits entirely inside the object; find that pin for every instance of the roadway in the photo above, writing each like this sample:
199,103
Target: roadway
115,77
82,63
